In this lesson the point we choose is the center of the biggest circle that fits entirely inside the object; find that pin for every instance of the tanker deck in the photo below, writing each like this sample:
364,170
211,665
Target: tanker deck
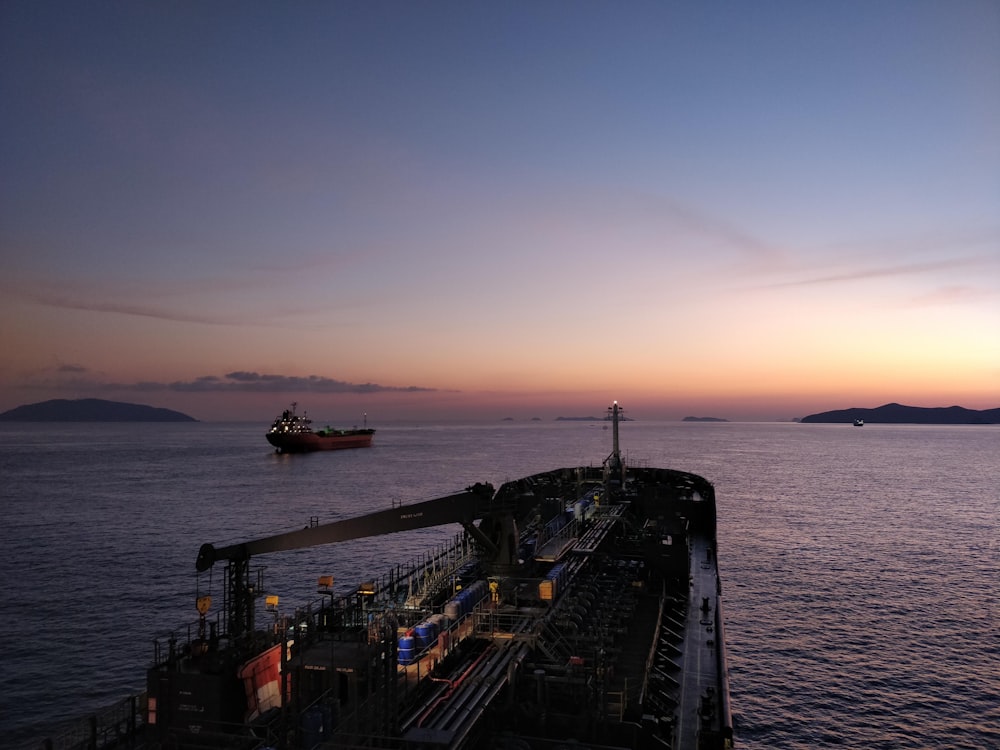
579,604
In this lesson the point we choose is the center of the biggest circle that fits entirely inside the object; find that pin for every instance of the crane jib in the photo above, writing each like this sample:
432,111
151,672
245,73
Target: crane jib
463,507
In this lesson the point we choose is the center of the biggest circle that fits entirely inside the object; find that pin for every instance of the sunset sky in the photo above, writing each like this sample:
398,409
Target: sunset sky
418,210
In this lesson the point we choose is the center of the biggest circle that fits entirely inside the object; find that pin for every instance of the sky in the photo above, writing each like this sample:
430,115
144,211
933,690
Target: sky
472,210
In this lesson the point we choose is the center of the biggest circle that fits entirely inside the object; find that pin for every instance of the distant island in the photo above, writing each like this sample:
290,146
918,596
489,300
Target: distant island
91,410
704,419
900,414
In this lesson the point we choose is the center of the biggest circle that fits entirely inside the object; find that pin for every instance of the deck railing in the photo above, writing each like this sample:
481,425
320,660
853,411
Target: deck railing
117,725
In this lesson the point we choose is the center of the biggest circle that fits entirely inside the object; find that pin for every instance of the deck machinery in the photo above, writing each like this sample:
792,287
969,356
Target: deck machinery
580,604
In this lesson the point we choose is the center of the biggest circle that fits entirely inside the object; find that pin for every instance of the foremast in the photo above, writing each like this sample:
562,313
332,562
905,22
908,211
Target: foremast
614,467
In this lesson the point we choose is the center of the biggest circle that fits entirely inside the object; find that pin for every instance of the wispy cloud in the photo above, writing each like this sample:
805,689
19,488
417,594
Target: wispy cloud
267,383
948,295
965,250
183,301
860,274
126,308
233,382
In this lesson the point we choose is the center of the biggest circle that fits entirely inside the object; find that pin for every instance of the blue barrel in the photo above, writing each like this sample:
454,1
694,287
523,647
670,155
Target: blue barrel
406,656
426,634
406,641
476,593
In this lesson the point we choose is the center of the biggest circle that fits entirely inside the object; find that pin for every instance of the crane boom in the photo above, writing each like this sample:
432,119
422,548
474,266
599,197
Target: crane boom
463,507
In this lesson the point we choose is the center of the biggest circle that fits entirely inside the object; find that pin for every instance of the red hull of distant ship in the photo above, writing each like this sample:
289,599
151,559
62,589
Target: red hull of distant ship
291,433
306,442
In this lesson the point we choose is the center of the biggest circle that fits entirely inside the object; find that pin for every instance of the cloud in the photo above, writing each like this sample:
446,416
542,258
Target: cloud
900,269
971,252
948,295
253,382
233,382
100,297
903,269
190,300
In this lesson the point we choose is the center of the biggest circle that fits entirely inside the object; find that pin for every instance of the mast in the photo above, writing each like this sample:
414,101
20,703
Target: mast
614,426
615,467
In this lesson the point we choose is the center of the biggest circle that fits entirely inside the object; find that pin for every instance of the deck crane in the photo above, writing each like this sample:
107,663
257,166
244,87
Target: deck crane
496,536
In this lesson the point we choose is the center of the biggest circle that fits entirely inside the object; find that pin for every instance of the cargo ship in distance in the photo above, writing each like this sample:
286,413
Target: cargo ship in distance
293,433
579,606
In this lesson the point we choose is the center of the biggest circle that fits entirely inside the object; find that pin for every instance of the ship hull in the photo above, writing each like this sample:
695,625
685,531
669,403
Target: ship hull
311,441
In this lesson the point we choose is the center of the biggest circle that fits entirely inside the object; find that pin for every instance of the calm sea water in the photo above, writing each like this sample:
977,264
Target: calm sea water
861,567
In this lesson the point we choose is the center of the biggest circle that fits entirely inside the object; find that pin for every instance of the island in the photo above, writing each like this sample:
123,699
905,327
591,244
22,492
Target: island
901,414
91,410
704,419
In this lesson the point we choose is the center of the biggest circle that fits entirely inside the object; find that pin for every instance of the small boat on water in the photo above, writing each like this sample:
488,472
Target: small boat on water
293,433
859,422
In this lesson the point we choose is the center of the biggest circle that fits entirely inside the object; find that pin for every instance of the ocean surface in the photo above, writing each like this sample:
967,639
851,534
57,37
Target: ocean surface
860,566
